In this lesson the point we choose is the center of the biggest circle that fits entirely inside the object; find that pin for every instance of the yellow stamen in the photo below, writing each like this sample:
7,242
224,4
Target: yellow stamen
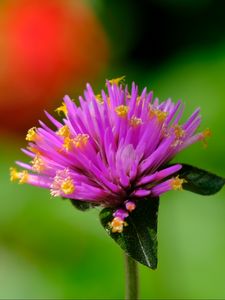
62,109
177,183
117,225
159,114
63,131
31,134
179,131
122,110
80,140
206,134
38,164
14,175
67,186
21,176
134,121
68,144
179,134
99,98
118,80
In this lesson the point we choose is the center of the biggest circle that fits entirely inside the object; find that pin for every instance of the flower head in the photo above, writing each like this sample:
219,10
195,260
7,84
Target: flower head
112,151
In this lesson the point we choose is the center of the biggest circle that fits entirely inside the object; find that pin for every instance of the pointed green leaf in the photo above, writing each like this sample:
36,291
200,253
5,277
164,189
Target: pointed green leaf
200,181
139,237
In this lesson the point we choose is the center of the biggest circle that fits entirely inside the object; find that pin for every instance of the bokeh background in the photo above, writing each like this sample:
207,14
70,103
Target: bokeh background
52,47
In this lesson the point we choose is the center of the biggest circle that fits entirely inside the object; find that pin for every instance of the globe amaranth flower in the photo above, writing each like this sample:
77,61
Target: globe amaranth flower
112,150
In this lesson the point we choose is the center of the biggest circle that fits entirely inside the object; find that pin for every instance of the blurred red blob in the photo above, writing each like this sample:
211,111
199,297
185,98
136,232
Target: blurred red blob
46,47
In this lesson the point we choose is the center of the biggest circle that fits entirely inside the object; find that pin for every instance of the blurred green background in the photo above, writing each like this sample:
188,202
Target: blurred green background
176,48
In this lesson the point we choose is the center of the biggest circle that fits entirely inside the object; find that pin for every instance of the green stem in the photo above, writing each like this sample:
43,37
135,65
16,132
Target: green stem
131,272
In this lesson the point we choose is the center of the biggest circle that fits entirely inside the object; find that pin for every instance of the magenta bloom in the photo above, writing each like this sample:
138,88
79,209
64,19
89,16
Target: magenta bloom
112,150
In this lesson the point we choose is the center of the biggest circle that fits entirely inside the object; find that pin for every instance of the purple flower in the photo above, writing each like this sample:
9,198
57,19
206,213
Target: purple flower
112,150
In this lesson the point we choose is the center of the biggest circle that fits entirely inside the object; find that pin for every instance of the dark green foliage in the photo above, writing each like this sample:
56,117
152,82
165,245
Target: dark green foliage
139,238
81,205
200,181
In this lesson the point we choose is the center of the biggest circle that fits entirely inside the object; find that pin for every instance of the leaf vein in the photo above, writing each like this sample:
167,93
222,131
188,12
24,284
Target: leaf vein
140,242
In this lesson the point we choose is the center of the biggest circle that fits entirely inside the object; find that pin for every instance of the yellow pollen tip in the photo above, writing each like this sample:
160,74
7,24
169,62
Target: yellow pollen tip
99,98
118,80
177,183
122,110
14,175
207,133
21,176
62,109
68,144
117,225
179,131
67,186
134,121
159,114
38,164
80,140
31,134
63,131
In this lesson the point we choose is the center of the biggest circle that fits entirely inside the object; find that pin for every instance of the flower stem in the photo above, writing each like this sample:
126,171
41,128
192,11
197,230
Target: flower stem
131,271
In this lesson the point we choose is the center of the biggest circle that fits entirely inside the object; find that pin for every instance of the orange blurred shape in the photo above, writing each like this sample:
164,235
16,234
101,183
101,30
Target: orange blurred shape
46,47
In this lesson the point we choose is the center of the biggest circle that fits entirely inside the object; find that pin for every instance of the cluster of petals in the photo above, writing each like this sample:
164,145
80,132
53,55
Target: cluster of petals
112,149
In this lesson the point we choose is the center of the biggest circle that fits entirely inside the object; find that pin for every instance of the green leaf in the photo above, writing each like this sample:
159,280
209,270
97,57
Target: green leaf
200,181
139,237
81,205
